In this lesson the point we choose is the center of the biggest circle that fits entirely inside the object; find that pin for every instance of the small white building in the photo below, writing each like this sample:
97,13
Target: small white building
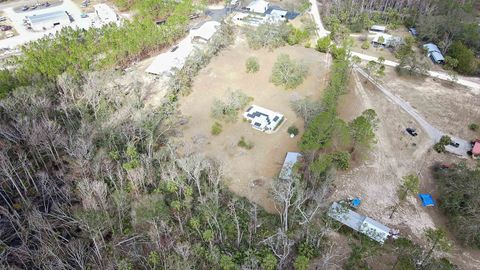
386,40
205,32
263,119
258,6
287,168
105,13
45,21
378,29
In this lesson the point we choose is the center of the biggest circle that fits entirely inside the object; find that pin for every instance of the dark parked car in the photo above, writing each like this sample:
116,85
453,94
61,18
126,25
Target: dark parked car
455,144
412,132
5,27
25,8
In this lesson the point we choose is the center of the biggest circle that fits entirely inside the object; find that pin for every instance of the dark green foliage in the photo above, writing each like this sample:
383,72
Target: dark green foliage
341,160
460,194
297,36
466,61
7,82
293,130
473,127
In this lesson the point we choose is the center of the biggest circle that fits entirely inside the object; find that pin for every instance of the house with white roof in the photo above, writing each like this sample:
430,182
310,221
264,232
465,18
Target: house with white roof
277,15
263,119
45,21
205,32
258,6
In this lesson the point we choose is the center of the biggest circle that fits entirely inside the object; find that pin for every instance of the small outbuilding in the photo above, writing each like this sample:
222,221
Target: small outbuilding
434,53
287,168
40,22
378,29
258,6
386,40
360,223
105,13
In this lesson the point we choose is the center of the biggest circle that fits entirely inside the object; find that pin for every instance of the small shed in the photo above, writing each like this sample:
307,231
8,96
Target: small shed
287,168
434,53
378,29
360,223
258,6
49,20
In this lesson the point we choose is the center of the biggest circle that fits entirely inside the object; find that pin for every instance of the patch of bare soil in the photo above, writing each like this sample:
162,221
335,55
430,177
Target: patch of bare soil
449,107
250,172
395,155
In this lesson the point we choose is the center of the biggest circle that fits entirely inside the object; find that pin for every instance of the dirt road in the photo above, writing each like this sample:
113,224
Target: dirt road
434,133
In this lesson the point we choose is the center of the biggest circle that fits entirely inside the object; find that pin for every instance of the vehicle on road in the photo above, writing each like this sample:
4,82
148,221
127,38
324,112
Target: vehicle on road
455,144
412,131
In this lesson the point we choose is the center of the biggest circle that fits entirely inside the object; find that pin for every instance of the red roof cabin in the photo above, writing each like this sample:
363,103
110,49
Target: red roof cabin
476,150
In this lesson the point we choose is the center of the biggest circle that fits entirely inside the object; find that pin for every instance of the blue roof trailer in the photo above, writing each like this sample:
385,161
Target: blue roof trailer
427,200
434,53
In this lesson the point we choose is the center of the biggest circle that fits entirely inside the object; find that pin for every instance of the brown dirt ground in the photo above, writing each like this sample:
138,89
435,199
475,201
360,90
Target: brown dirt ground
449,107
250,172
396,154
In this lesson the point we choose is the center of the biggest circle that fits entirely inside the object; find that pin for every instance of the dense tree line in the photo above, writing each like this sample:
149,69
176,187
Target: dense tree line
459,198
444,22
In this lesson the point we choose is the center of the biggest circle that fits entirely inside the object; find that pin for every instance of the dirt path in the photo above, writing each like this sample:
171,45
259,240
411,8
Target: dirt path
434,133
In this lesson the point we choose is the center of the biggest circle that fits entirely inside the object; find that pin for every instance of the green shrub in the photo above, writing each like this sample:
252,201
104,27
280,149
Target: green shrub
466,62
323,44
341,160
366,45
244,144
473,127
297,36
216,128
293,130
228,110
252,65
287,72
439,147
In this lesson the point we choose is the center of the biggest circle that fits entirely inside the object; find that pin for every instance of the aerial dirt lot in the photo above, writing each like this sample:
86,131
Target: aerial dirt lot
449,107
396,154
250,172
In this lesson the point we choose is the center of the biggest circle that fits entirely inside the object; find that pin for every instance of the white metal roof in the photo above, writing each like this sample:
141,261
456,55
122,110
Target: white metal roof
60,15
379,28
371,228
279,12
105,13
258,6
290,161
206,31
165,62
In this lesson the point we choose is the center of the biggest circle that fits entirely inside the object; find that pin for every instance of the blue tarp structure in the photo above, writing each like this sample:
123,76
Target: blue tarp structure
356,202
427,199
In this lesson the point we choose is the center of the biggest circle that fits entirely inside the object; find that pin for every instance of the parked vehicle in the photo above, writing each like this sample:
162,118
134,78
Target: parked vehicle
83,15
2,19
5,27
455,144
25,8
412,131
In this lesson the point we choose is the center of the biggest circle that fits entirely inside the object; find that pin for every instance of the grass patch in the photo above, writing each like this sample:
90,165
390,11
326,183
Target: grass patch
245,144
216,128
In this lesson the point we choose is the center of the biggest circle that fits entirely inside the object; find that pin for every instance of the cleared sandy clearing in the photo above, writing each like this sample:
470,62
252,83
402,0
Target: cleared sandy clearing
250,172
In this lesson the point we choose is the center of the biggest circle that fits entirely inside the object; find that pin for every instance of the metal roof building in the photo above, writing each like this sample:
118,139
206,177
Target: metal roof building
434,53
378,28
371,228
206,31
49,20
258,6
290,160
